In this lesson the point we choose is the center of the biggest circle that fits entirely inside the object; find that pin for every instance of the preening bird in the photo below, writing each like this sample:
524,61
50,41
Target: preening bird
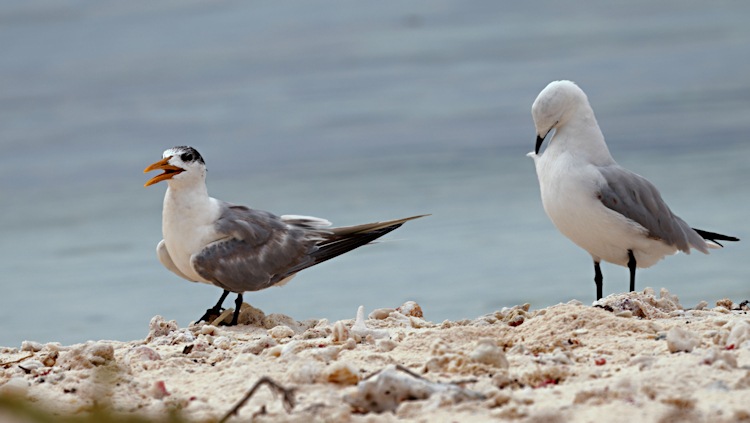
237,248
609,211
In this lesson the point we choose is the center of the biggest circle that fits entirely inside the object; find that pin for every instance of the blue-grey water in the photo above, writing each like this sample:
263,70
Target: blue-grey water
353,111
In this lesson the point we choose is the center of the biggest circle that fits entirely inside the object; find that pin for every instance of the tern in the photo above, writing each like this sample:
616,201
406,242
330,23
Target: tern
609,211
234,247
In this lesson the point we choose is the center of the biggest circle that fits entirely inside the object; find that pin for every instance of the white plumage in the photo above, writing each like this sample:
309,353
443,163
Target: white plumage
614,214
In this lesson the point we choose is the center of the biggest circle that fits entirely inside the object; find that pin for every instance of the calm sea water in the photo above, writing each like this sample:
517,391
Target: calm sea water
354,112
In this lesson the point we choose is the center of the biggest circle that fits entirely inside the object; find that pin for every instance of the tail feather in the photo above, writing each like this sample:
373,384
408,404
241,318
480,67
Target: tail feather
337,241
714,237
344,231
330,249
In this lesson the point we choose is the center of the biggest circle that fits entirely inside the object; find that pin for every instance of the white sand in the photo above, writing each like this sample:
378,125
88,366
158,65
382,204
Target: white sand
647,359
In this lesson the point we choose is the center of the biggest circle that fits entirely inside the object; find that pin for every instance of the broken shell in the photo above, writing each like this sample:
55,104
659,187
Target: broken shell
487,352
140,354
411,308
50,359
257,346
739,334
339,333
516,320
305,371
327,354
341,374
395,384
159,390
380,313
359,329
30,365
159,327
726,303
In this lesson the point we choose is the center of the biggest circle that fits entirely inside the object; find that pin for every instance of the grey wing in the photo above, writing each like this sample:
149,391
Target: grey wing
166,260
257,251
634,197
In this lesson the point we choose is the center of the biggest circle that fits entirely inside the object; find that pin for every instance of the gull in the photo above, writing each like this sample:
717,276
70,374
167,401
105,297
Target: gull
234,247
609,211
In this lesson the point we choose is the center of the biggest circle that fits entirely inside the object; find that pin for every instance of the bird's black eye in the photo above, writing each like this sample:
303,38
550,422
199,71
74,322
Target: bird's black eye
187,157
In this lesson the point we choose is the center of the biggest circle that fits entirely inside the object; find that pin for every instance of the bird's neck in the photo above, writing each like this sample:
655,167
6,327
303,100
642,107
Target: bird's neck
184,199
582,137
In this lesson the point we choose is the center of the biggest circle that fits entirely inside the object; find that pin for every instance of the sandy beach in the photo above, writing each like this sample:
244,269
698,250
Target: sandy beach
638,356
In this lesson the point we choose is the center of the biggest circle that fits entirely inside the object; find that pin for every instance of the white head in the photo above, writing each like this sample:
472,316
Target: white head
180,164
554,106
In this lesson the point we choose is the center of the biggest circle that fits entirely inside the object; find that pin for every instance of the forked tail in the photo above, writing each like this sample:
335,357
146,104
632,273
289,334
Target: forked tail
714,237
344,239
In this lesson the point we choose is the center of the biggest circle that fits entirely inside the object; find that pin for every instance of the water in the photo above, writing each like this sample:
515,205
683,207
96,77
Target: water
353,112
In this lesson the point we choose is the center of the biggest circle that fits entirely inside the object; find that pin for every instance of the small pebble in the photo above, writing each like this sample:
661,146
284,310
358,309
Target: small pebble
624,313
487,352
701,305
207,330
327,354
349,344
222,342
31,346
679,339
385,345
380,313
280,332
142,353
15,386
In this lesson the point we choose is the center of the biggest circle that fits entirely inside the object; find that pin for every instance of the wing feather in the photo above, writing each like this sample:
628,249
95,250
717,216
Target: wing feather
261,249
634,197
258,248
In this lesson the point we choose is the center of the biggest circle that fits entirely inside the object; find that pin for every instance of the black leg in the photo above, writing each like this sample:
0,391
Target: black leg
631,266
216,310
598,280
237,307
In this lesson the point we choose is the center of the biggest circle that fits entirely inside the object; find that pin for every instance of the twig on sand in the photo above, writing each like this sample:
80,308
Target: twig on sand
398,367
8,363
288,396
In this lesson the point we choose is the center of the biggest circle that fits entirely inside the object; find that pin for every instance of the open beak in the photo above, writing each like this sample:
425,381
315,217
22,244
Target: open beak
169,171
539,141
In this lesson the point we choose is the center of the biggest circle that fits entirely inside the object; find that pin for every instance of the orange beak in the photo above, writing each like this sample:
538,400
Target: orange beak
169,171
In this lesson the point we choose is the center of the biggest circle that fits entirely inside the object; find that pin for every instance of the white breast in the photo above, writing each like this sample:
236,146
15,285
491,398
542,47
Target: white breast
188,226
569,189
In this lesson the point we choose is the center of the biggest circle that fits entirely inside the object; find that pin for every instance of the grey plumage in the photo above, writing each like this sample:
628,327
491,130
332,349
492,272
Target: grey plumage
634,197
237,248
258,249
262,249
